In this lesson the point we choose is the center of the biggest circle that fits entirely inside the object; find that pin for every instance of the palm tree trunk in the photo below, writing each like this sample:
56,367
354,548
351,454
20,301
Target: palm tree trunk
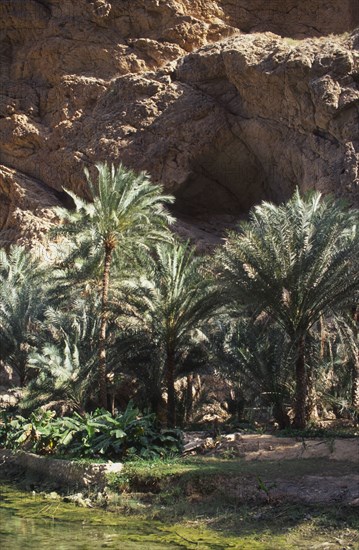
355,384
156,404
301,386
355,369
189,396
103,330
22,376
281,416
113,403
22,357
311,404
170,381
322,337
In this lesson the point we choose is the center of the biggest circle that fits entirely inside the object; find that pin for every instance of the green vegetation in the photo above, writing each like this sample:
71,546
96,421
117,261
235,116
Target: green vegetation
27,520
238,499
97,434
24,298
126,212
173,304
124,310
296,264
180,471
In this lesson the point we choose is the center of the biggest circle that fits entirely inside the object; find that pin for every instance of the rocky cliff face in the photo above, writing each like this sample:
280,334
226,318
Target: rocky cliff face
201,93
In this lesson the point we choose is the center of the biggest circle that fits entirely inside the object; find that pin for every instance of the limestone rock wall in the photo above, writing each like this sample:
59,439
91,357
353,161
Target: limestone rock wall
200,93
294,18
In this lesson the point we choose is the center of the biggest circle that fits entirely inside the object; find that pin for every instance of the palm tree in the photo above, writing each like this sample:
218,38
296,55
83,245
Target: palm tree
127,211
255,357
355,367
348,332
24,298
174,301
65,364
297,262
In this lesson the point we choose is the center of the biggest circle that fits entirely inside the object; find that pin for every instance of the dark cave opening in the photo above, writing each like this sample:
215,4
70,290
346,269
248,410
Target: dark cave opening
226,180
223,184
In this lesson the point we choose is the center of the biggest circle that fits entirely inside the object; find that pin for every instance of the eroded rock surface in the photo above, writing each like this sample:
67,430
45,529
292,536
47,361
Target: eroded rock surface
196,92
25,207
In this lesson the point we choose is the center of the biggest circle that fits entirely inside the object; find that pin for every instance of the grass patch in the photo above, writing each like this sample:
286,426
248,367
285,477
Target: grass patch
77,460
213,466
193,493
345,432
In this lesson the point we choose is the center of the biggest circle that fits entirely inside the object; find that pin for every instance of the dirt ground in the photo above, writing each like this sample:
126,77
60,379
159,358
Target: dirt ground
270,447
308,470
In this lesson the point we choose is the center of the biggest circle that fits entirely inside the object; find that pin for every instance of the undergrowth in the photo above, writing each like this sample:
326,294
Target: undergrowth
97,435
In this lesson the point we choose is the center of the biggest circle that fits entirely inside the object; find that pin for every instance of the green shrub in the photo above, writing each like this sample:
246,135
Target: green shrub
98,434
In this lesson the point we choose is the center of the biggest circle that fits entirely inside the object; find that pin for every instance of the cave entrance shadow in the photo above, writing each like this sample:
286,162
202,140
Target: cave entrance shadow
229,180
222,186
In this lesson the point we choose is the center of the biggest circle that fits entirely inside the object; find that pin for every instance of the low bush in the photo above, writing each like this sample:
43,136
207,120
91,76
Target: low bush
97,434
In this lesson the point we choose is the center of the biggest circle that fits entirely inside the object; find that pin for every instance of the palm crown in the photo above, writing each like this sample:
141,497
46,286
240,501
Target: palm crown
127,212
296,262
176,298
23,300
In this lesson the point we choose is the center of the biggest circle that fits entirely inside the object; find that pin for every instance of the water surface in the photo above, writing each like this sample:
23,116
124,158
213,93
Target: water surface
32,522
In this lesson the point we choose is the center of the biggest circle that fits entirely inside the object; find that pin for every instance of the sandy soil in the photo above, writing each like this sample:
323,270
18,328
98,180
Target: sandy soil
331,479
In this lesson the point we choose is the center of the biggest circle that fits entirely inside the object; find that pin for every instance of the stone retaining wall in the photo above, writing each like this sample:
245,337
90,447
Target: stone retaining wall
67,473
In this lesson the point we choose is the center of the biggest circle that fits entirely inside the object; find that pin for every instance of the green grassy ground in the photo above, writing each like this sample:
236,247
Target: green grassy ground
199,492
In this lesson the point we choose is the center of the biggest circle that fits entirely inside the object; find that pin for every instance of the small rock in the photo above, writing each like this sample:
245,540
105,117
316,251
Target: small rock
52,496
78,499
